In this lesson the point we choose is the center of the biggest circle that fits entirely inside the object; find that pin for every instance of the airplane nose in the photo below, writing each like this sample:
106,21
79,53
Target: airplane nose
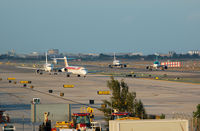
85,72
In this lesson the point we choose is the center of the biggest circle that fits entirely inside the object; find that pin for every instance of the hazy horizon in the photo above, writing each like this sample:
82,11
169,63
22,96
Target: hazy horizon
92,26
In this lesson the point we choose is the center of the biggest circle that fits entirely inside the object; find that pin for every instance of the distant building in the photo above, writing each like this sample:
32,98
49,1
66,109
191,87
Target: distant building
11,53
93,54
194,52
33,55
161,54
53,52
134,54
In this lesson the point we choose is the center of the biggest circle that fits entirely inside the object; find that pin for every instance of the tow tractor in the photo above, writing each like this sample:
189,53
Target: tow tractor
4,118
80,121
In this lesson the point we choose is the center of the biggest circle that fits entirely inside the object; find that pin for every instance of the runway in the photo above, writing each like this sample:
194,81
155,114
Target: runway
157,96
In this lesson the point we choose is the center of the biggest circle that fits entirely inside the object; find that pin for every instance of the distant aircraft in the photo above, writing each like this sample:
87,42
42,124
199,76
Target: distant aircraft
77,70
156,65
46,67
116,63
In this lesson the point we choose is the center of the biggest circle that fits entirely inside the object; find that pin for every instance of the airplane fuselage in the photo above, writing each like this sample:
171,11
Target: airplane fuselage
77,70
48,67
156,66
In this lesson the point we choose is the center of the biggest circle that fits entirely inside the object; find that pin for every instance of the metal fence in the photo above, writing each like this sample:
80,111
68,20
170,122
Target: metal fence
194,123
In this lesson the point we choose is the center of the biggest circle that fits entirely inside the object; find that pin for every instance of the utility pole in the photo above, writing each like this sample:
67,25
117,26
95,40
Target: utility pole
23,122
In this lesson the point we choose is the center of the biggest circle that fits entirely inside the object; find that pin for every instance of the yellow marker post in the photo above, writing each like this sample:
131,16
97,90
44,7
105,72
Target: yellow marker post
68,86
25,82
10,78
103,92
90,110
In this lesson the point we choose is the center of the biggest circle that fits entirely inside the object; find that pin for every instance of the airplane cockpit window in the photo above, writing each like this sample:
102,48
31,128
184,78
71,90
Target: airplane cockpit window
156,62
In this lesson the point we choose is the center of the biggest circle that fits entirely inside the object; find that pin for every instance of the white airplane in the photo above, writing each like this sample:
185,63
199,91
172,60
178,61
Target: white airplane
46,67
117,63
77,70
156,65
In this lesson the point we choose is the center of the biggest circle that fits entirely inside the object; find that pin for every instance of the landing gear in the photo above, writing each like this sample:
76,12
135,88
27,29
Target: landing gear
39,72
78,75
149,68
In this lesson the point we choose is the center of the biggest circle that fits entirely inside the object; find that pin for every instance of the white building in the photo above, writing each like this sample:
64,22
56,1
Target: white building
193,52
53,52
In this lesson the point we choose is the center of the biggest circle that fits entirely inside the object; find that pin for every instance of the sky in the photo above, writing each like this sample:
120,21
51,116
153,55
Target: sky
100,26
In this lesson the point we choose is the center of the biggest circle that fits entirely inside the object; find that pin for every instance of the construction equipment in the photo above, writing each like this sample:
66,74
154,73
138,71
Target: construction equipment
80,121
46,126
123,116
4,118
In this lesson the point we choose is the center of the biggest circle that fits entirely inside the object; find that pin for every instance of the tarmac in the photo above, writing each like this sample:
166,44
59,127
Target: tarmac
157,96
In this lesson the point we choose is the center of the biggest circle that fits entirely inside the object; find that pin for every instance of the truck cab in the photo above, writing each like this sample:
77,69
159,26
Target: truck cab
81,120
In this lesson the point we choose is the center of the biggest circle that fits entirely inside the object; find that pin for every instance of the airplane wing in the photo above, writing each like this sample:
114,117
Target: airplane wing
32,68
59,69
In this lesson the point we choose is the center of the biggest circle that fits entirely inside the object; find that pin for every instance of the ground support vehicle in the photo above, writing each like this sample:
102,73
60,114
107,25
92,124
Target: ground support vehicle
4,118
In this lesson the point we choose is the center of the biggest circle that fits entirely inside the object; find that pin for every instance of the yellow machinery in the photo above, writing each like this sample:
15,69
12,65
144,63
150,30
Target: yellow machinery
82,120
123,116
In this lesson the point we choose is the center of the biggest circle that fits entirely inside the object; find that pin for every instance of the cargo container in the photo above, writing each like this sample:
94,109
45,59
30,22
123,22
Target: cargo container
148,125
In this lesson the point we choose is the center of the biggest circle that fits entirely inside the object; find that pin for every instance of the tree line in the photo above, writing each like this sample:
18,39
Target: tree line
102,57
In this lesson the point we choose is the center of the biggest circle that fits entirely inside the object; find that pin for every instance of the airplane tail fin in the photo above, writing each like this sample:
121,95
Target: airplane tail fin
46,58
66,63
114,56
